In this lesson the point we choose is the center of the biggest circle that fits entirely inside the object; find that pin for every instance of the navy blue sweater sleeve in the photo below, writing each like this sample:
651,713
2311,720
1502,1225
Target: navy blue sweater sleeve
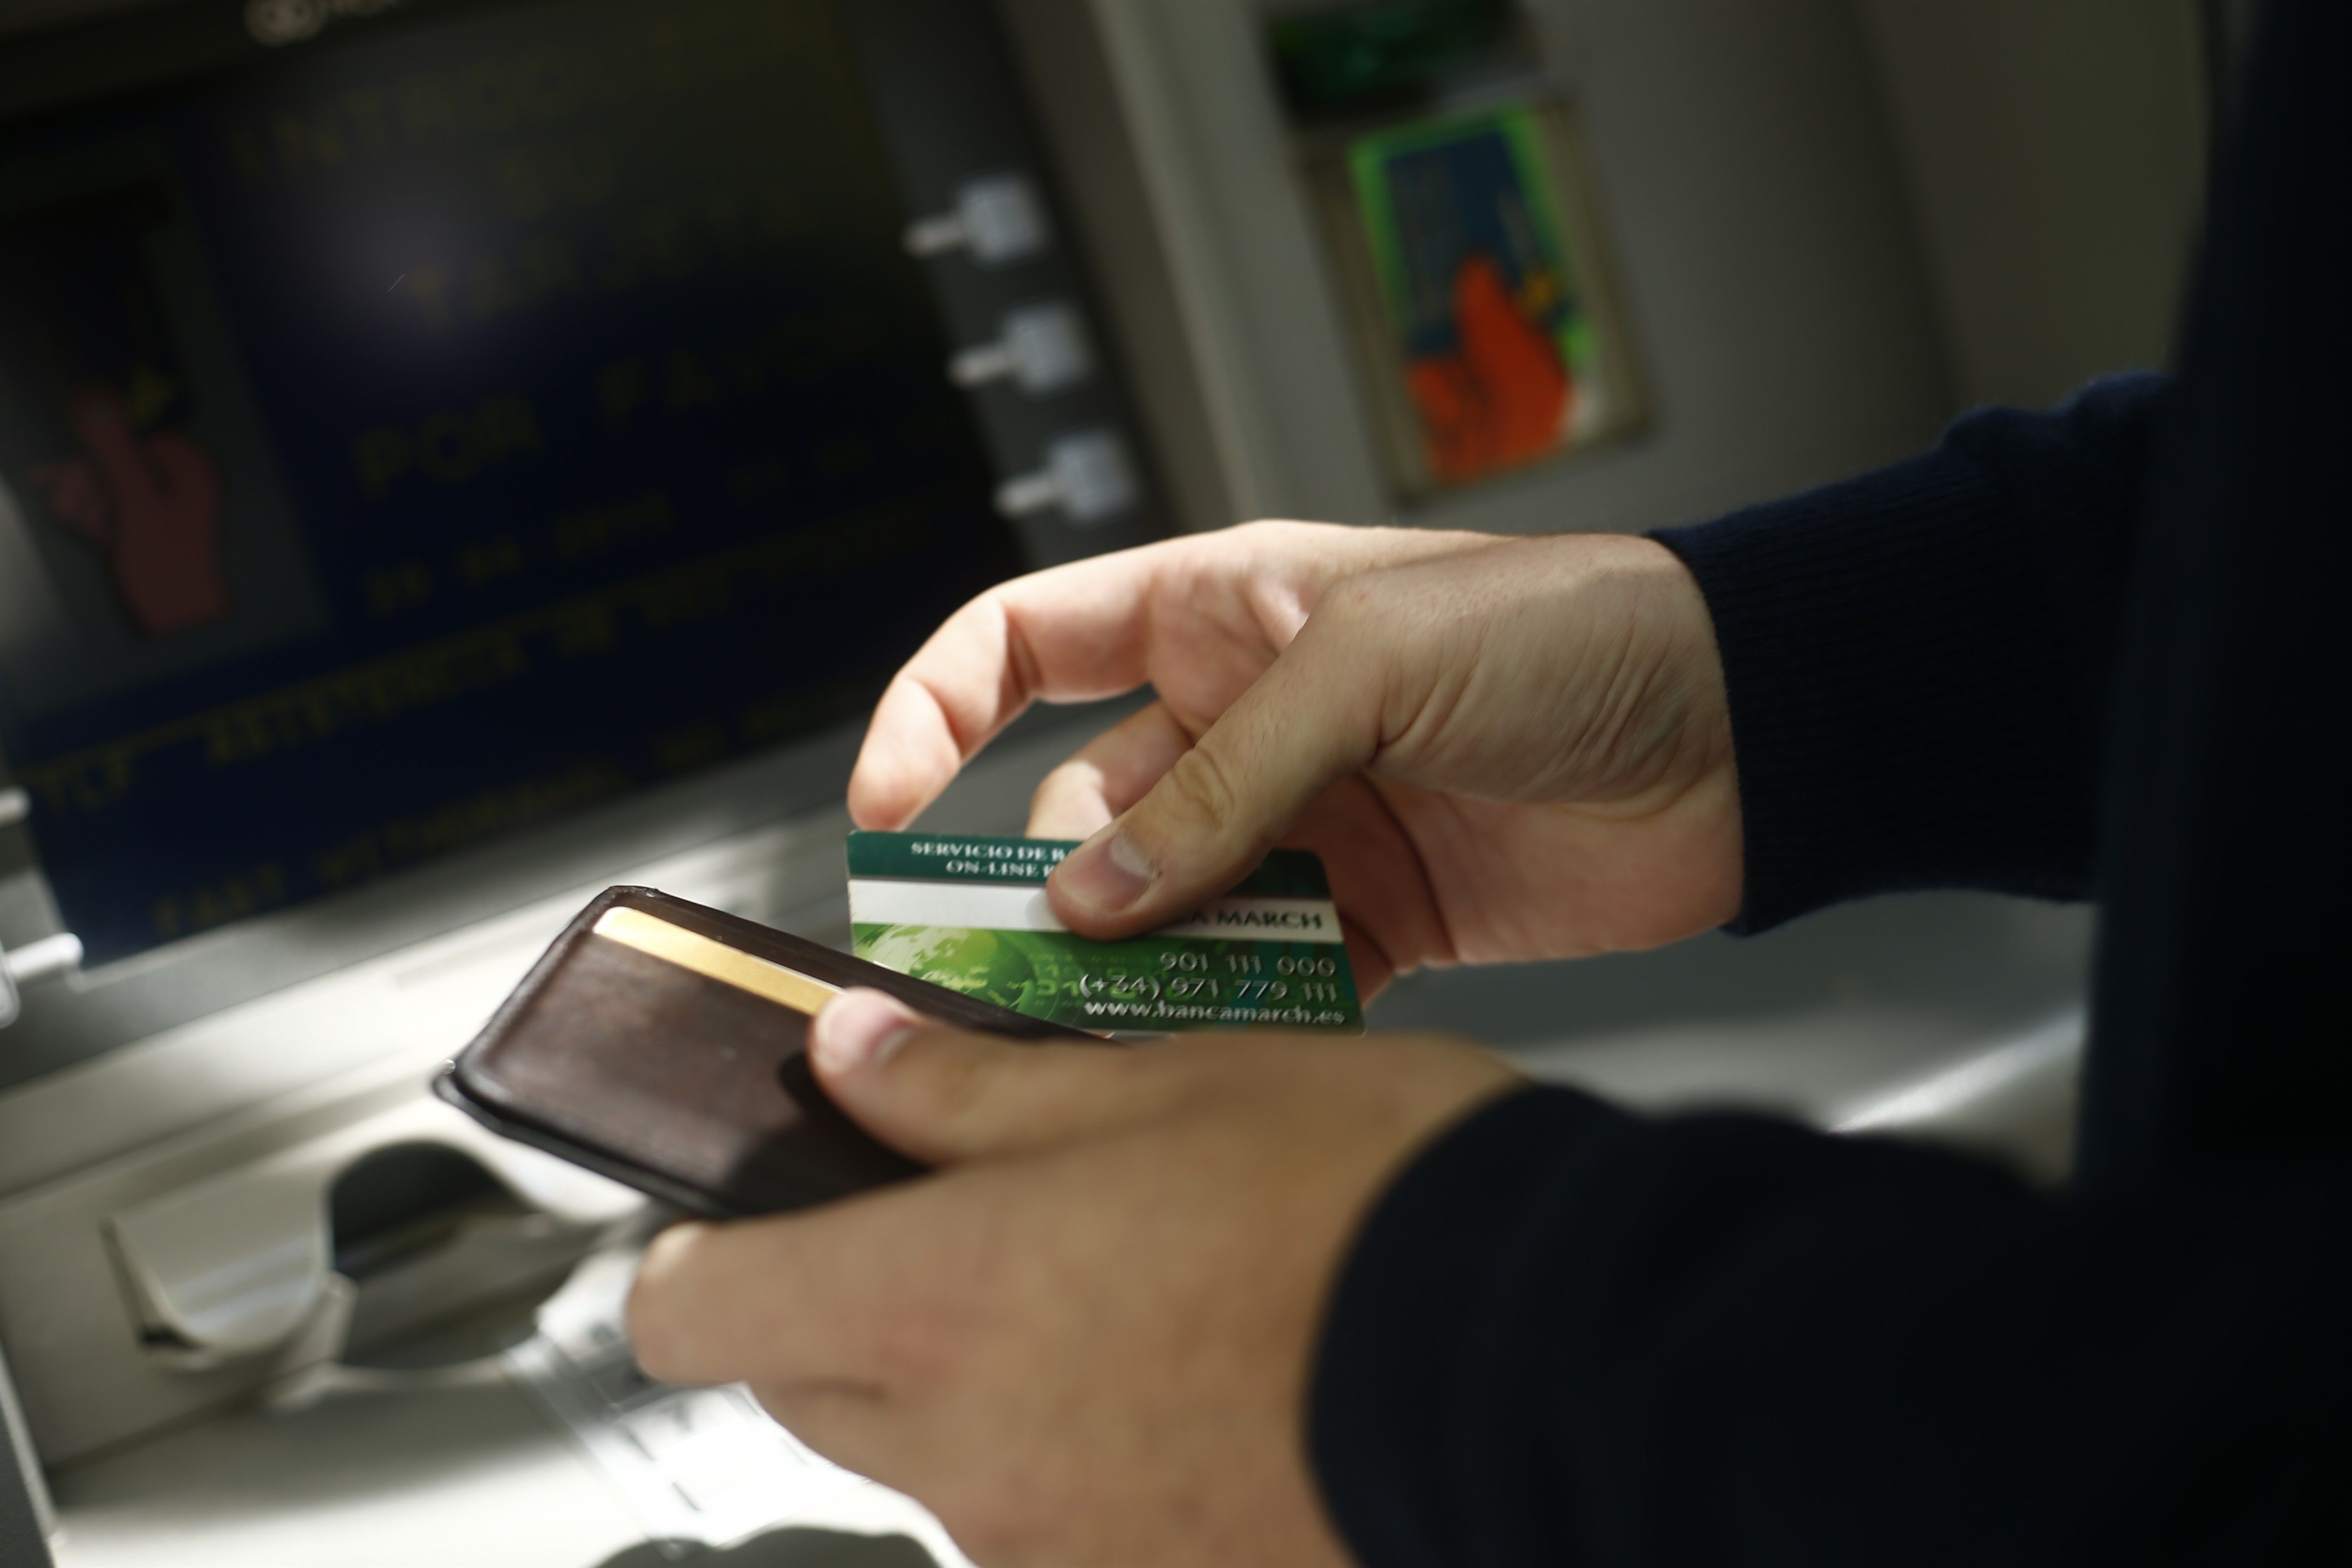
1918,660
1569,1336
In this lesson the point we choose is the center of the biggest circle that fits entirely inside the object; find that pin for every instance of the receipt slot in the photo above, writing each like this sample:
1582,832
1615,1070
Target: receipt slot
249,1265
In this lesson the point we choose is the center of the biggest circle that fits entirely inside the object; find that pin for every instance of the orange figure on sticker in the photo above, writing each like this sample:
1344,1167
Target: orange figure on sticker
1504,398
1479,290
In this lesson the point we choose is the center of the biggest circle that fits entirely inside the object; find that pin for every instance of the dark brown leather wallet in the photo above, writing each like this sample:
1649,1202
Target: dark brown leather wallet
664,1045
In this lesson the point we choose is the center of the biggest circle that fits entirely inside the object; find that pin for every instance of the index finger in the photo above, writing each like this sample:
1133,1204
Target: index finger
1070,633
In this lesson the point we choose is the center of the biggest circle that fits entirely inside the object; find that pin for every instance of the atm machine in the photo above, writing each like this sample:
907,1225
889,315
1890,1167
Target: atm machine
456,455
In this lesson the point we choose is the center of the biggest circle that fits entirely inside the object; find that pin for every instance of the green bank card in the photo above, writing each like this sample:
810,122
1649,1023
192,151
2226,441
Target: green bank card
971,914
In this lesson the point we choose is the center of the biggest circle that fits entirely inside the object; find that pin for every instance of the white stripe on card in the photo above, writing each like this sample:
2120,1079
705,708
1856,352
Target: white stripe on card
996,906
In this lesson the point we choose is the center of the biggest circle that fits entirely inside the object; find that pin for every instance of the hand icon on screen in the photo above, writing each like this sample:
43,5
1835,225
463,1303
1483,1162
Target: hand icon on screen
152,504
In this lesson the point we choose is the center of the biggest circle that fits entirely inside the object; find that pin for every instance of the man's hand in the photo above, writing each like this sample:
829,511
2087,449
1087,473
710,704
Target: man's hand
1087,1340
1503,749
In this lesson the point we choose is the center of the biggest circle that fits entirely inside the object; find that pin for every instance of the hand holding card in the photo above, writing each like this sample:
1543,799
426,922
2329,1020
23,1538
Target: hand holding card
664,1045
971,914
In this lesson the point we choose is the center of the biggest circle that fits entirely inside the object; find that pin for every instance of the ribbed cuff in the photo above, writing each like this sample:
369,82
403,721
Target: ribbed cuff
1890,647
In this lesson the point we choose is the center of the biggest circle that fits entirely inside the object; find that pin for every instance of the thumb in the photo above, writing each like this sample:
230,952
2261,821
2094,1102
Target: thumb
944,1096
1312,719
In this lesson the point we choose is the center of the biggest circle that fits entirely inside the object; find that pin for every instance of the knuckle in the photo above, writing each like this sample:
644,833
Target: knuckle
919,1345
651,1340
651,1318
952,1087
1201,791
1048,792
1067,779
1354,602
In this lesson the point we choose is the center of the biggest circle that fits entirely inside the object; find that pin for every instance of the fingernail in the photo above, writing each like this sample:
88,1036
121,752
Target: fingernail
1107,872
859,1029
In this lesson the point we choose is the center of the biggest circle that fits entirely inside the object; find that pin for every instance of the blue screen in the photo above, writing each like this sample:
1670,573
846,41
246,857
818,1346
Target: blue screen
412,440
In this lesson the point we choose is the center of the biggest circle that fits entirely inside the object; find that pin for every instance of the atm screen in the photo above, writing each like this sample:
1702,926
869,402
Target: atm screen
415,436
